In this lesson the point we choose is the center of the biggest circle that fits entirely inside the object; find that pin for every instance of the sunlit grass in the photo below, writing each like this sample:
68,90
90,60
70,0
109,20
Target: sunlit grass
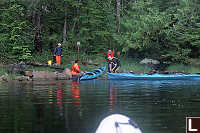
127,64
42,58
2,71
130,64
96,59
183,68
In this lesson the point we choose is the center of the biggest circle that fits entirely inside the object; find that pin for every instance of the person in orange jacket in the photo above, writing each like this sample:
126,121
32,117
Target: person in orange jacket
75,71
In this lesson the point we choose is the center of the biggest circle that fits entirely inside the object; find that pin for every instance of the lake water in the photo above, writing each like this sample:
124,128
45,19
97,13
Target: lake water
66,107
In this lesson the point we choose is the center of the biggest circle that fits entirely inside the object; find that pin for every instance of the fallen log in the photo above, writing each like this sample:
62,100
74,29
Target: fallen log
89,63
44,65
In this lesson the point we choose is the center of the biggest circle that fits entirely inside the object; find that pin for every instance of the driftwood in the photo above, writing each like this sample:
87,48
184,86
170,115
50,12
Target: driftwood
89,63
44,65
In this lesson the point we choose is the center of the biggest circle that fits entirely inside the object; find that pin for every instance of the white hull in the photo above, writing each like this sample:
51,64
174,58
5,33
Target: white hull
117,123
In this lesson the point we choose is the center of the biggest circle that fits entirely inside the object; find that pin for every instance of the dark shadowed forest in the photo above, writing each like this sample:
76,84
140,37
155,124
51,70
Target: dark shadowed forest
166,30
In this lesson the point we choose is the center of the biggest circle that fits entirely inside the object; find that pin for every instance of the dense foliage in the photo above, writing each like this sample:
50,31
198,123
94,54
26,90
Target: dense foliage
162,29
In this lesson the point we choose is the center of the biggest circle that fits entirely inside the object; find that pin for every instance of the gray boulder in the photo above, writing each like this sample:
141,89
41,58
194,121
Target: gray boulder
153,64
147,61
23,78
4,78
44,75
67,73
19,68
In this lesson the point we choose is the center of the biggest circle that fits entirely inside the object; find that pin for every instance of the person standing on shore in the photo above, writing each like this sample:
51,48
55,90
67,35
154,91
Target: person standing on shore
75,71
58,54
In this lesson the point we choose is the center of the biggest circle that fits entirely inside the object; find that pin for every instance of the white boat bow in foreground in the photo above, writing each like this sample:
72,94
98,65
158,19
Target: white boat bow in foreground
117,123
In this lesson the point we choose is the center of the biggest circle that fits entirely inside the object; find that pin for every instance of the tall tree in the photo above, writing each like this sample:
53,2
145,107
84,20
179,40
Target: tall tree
118,15
64,34
16,33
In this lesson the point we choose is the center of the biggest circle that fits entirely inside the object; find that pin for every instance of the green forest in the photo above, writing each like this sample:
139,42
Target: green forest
166,30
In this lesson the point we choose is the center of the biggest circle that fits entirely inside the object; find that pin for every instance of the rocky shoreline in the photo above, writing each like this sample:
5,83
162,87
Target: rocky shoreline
22,73
26,72
38,75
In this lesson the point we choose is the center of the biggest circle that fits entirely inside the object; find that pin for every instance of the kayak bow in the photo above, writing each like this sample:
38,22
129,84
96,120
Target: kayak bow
93,74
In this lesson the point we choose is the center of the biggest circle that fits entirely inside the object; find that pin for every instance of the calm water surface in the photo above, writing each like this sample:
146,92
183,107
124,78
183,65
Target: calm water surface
66,107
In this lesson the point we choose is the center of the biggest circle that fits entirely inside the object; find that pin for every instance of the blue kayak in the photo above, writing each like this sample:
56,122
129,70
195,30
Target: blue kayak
93,74
121,76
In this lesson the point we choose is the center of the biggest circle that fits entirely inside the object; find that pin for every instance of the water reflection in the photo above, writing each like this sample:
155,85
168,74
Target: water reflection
76,95
50,95
59,97
66,107
39,117
112,96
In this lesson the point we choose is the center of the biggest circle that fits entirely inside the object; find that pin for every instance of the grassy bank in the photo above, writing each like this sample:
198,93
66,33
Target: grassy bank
183,68
130,64
3,71
127,64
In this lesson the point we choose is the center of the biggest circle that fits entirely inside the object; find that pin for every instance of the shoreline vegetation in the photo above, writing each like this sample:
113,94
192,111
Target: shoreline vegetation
127,65
163,30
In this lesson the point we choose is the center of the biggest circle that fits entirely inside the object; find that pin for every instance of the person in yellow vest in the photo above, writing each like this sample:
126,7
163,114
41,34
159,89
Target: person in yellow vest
75,71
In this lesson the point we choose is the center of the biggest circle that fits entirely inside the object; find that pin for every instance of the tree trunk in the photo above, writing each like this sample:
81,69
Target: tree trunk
38,37
118,15
37,20
64,36
76,24
110,3
43,65
33,17
51,44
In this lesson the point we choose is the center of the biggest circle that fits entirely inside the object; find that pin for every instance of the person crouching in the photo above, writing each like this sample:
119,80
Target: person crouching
116,64
109,57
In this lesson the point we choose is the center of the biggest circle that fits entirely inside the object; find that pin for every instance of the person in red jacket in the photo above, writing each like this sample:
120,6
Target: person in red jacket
109,54
109,57
75,71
